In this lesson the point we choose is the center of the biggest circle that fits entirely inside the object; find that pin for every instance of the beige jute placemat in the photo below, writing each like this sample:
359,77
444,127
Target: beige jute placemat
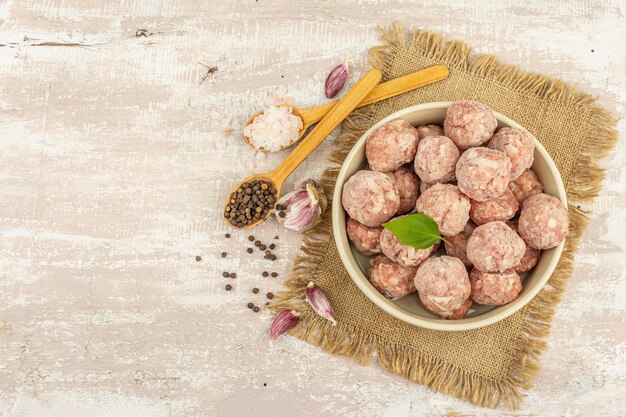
489,366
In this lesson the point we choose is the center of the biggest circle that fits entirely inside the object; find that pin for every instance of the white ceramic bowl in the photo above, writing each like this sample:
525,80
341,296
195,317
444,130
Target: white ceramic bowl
407,309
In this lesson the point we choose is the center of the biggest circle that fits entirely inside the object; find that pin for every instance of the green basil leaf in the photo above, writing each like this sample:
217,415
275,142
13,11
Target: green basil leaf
417,230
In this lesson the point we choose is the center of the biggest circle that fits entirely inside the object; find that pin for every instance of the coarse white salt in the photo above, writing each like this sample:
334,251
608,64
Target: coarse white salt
273,129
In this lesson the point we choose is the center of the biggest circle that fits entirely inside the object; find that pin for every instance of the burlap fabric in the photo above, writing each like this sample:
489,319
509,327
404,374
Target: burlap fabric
489,366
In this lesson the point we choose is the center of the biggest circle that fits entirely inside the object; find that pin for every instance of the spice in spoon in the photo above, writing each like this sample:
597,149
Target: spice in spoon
250,203
273,129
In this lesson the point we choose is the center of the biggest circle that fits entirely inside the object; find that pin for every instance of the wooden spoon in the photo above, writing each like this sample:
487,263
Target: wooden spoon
380,92
335,116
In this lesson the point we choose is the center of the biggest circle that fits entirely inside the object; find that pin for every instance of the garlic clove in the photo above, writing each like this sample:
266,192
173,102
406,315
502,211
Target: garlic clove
283,322
301,209
319,302
336,79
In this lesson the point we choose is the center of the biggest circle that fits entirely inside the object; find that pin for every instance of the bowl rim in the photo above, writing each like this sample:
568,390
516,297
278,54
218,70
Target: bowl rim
387,305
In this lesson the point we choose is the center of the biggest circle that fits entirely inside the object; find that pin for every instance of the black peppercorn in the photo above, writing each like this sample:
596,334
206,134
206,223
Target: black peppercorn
249,250
262,247
228,287
198,258
274,274
272,246
233,275
255,290
250,305
265,273
224,254
270,295
225,274
255,309
227,235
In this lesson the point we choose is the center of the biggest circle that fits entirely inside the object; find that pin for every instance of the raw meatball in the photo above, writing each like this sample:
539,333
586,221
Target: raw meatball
525,186
370,198
447,206
391,146
501,208
482,173
495,288
544,222
457,314
443,285
365,239
436,159
495,247
518,145
458,244
469,123
530,258
391,279
407,186
403,254
429,130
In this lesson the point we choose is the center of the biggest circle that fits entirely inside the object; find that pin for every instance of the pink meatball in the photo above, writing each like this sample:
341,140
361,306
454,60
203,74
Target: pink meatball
469,123
530,258
483,174
525,186
543,222
500,208
495,288
457,246
518,145
407,187
447,206
495,247
443,285
365,239
436,159
370,198
429,130
403,254
391,146
391,279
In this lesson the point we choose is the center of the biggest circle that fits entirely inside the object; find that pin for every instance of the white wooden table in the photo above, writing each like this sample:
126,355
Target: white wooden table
116,152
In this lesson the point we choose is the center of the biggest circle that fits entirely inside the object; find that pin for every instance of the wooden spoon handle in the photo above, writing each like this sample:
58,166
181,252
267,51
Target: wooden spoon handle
383,91
335,116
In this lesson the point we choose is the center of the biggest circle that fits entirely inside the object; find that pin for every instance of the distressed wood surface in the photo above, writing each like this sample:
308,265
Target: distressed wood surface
117,147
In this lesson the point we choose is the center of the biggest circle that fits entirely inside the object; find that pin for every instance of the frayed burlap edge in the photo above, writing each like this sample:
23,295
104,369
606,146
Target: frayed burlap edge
583,186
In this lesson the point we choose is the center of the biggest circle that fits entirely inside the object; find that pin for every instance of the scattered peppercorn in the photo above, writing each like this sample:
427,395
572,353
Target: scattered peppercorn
265,273
267,303
255,309
228,287
224,254
250,305
250,250
273,257
265,384
250,203
255,290
257,243
251,238
274,274
233,275
225,274
268,252
227,235
281,214
272,246
198,258
270,295
262,247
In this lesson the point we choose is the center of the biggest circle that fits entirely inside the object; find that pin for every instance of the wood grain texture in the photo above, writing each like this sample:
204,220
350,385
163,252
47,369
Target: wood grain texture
117,149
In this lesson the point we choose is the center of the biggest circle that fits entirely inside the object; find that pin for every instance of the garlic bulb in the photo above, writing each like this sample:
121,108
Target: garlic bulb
301,209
